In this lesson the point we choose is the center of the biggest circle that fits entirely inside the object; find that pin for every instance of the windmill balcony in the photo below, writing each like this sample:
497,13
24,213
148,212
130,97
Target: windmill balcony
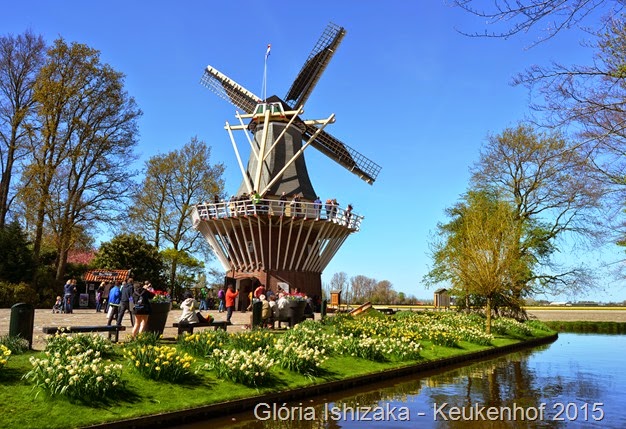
274,207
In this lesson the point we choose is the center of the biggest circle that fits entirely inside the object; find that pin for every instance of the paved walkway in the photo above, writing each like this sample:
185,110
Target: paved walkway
87,317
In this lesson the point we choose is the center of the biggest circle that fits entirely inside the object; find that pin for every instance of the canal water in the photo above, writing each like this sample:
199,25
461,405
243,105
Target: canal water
579,381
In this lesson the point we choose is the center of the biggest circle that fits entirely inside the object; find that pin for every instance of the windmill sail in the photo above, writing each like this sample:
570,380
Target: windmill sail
315,65
229,90
344,155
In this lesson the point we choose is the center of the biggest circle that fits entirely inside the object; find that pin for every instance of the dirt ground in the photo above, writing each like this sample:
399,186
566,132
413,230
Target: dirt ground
89,317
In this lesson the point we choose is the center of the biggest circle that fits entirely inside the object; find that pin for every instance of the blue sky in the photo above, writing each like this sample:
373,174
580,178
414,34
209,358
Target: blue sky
407,89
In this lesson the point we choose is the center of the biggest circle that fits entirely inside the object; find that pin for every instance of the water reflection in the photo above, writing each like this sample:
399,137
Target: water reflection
565,384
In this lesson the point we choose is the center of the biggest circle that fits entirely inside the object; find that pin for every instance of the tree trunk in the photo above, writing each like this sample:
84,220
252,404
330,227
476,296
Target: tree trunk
488,314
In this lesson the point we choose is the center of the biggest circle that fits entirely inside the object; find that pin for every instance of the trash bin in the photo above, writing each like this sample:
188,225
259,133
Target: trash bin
22,322
324,308
256,318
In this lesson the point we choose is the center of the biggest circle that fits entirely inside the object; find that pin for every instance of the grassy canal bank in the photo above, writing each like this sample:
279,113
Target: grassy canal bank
146,383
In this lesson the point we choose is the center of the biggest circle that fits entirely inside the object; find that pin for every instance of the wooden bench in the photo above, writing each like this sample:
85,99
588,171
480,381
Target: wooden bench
189,327
111,329
387,311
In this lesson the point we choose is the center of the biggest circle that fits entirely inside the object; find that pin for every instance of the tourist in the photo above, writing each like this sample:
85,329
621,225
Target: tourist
348,214
231,294
281,203
105,296
99,293
115,294
141,308
58,305
68,296
329,208
317,207
221,295
204,298
188,306
282,307
335,206
259,291
273,310
126,296
266,311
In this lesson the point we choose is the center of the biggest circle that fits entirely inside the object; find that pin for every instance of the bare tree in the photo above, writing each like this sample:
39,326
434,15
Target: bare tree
519,16
81,142
20,60
173,184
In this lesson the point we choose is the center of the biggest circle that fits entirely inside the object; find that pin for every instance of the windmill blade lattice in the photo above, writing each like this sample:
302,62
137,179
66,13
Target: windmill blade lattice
229,90
315,65
344,155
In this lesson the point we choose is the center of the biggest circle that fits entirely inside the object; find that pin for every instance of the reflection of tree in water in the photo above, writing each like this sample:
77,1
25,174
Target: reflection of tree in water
502,382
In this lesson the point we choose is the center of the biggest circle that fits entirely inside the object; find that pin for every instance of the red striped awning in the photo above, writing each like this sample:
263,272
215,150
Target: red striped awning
96,276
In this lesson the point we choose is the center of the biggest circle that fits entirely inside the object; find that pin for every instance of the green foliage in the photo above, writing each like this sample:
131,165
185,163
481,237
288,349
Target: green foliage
145,339
160,362
84,376
202,343
16,256
131,251
13,293
17,345
251,340
5,354
250,368
64,344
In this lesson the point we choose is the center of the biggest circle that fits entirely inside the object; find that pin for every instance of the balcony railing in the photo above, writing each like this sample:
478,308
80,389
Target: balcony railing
272,207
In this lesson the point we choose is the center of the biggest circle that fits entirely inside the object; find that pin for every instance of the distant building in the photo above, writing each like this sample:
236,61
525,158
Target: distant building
442,298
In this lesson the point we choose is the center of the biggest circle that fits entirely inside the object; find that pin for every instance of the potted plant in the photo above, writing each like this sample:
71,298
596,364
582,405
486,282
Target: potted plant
160,306
297,304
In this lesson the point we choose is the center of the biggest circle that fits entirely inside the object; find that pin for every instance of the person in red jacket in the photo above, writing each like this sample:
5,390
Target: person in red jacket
230,301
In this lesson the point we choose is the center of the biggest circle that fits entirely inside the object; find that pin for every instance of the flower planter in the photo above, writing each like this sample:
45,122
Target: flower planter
158,317
296,312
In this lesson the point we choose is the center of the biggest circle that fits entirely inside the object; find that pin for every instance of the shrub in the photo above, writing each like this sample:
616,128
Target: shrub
5,354
160,363
503,325
203,343
252,340
17,345
84,376
64,343
297,356
242,366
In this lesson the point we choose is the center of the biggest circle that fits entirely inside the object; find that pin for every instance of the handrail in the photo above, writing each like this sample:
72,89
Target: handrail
274,207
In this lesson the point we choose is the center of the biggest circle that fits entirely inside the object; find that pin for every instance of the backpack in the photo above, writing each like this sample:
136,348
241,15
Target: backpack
140,304
220,294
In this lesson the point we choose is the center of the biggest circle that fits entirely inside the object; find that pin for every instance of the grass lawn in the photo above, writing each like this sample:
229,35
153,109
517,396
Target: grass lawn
25,406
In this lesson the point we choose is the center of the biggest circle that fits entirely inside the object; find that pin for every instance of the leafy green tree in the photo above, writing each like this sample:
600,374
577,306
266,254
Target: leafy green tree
189,269
131,251
548,183
20,59
161,208
478,252
16,256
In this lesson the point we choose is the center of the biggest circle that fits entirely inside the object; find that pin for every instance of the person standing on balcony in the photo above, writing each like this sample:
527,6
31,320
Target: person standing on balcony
281,203
317,207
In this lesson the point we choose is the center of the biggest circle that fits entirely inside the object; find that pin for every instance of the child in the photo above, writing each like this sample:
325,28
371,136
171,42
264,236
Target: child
56,308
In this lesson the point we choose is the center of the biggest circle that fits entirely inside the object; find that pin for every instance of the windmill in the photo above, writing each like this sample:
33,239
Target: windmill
259,237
